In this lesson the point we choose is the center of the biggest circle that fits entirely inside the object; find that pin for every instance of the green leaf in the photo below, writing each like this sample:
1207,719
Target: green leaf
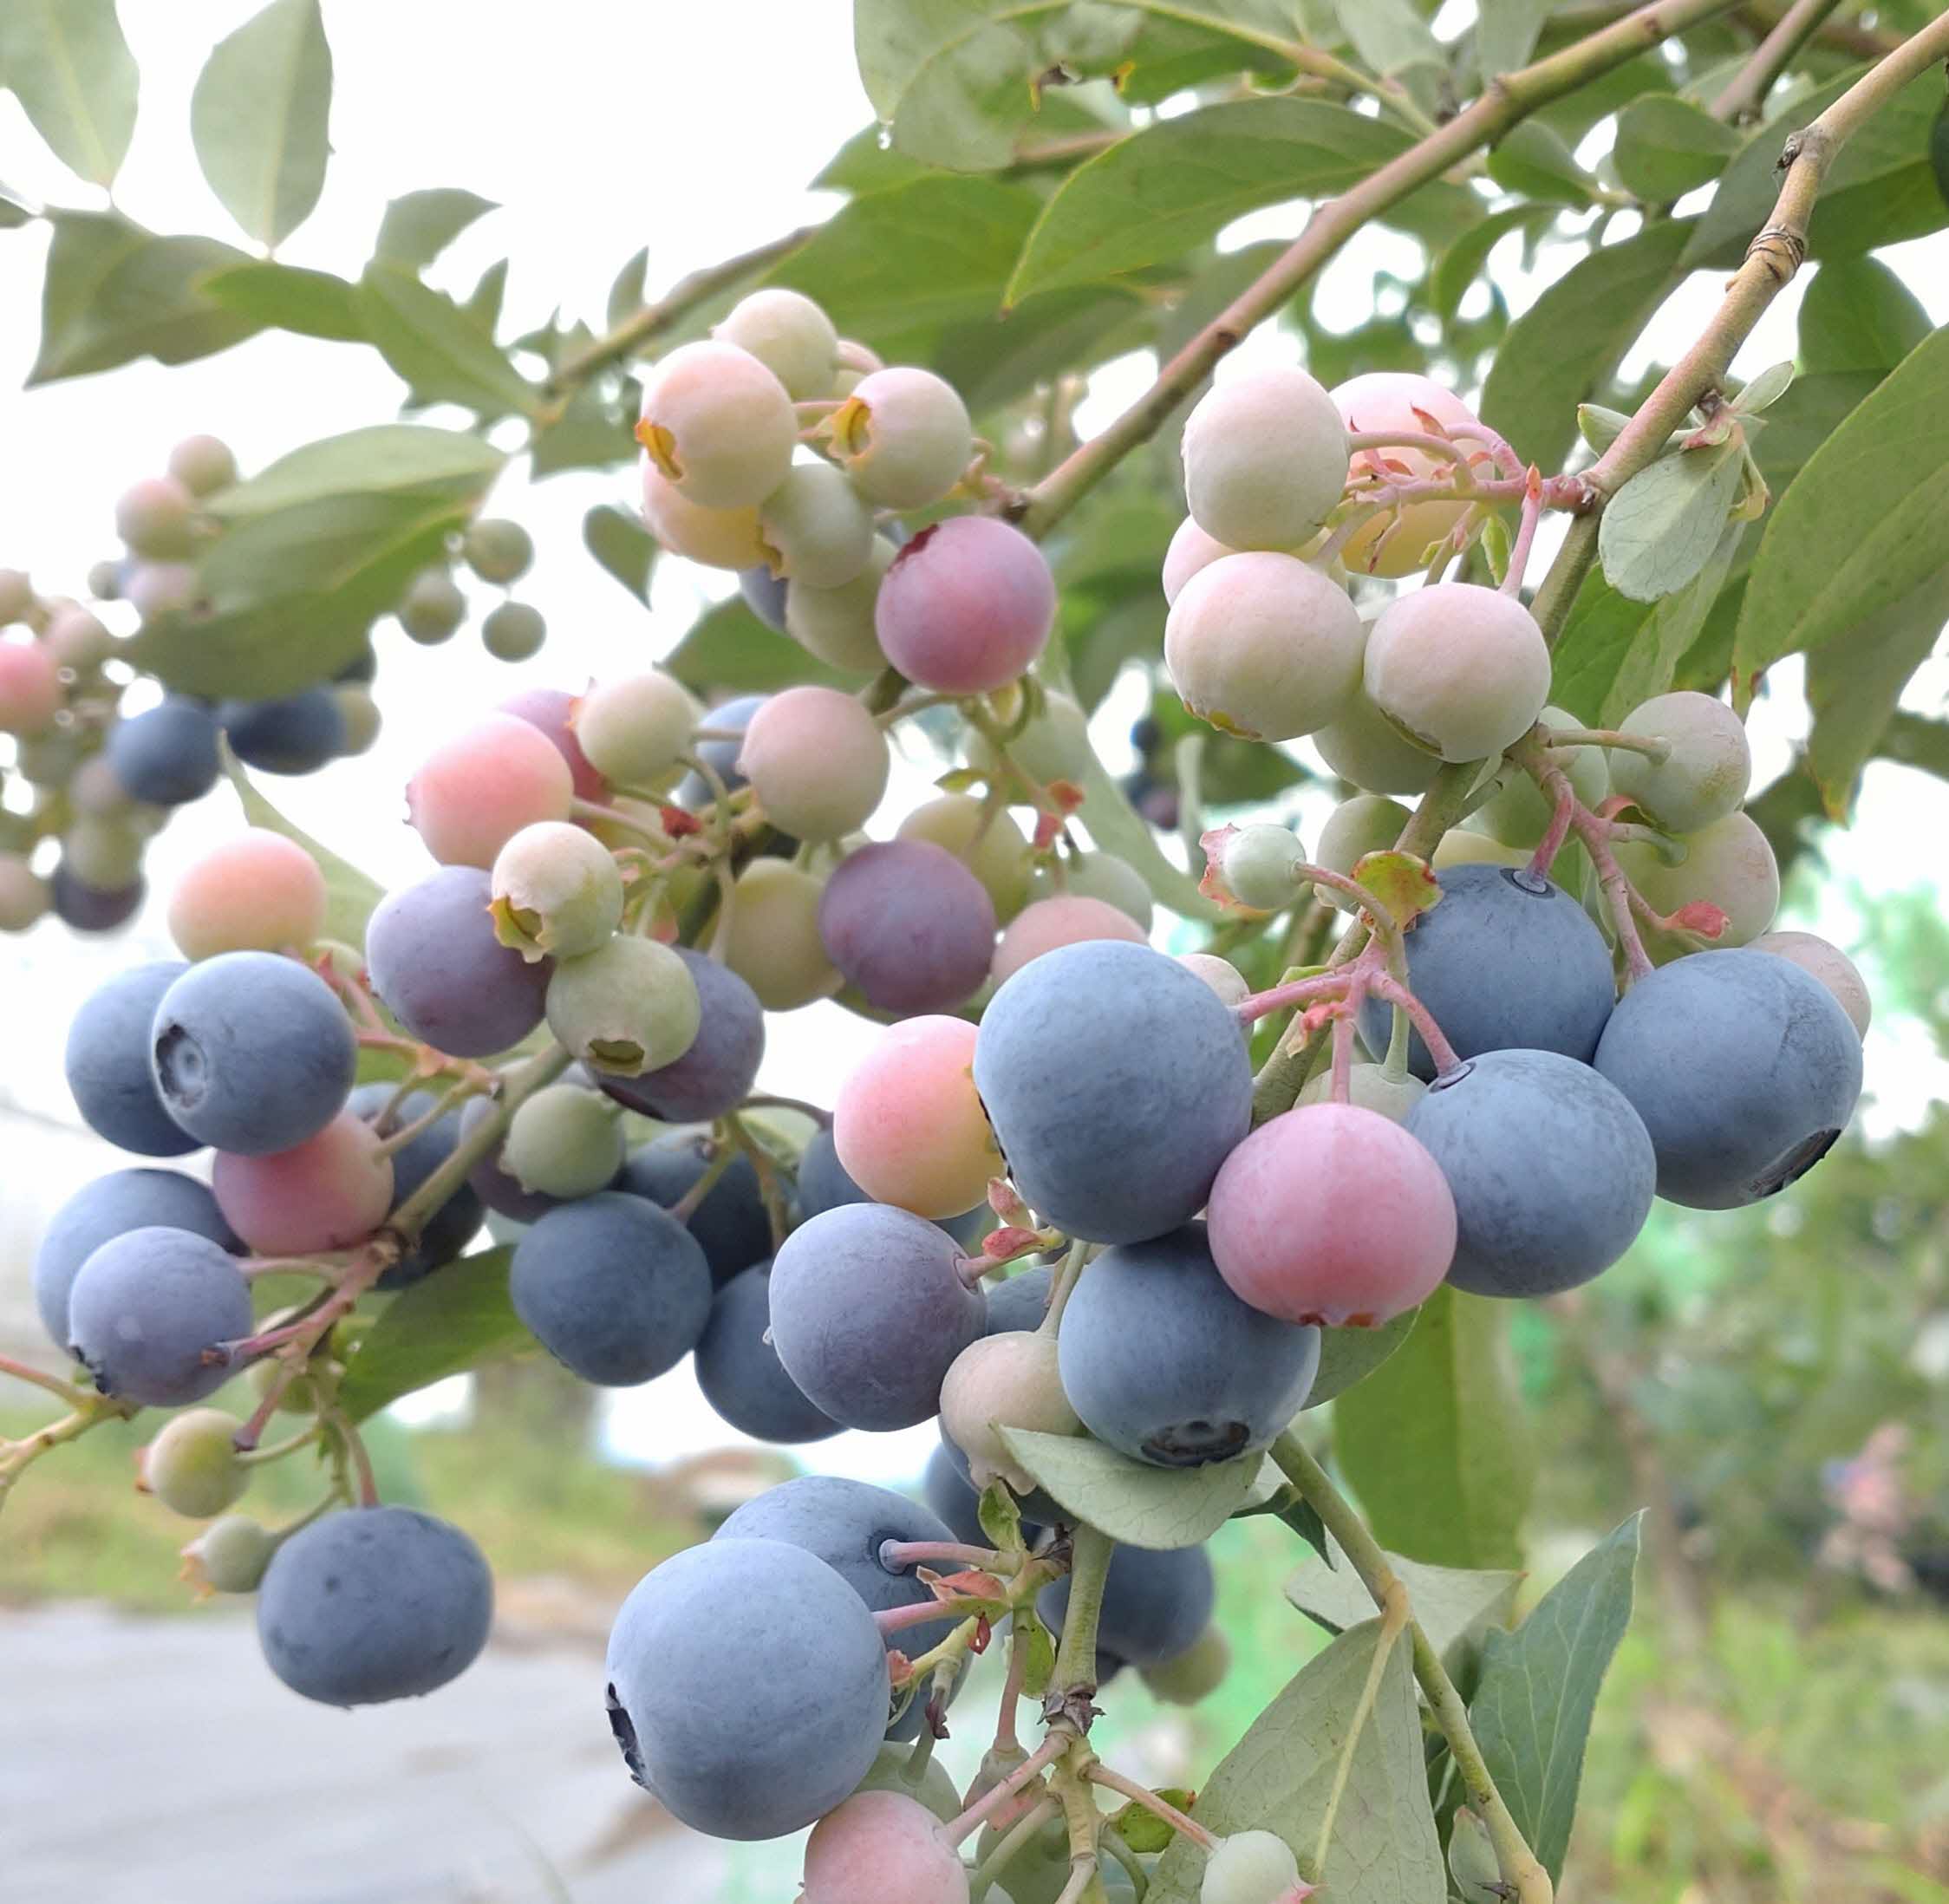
1536,160
1347,1356
626,294
1435,1441
866,163
1129,1500
1857,315
897,269
1882,187
1860,527
258,118
350,895
1763,390
1565,348
729,648
1613,654
484,302
1450,1602
1666,147
1175,187
1281,1777
1853,689
1388,36
1531,1711
436,347
1463,262
419,226
14,210
999,358
74,77
448,1322
591,433
318,545
288,297
622,547
1506,34
114,292
1659,530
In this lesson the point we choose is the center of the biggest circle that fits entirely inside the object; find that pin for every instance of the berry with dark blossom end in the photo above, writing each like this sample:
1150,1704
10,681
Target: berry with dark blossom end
903,437
717,425
373,1604
748,1687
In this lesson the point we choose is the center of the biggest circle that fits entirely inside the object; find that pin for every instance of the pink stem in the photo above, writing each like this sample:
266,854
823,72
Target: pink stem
897,1619
1507,461
1617,888
252,1432
1005,1739
1525,532
1343,1055
1249,1011
1385,985
362,1462
1100,1774
899,1554
39,1377
1557,785
1044,1755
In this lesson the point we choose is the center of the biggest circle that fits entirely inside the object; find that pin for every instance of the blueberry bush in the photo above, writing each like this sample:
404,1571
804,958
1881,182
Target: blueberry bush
1120,1218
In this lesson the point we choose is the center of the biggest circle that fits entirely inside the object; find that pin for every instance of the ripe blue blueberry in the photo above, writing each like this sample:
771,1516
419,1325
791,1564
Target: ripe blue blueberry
147,1309
615,1289
376,1603
748,1687
1744,1068
167,755
297,733
1506,961
731,1225
1166,1364
1551,1170
740,1372
1116,1082
1155,1604
110,1207
252,1053
868,1312
107,1062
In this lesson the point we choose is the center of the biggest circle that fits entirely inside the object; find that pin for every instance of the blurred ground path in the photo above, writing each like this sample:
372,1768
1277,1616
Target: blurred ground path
157,1762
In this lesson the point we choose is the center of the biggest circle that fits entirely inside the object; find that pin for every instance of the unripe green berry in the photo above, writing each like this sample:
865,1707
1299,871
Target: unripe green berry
360,712
564,1141
1704,776
629,1007
230,1556
1250,1868
104,579
1265,458
433,607
1053,744
816,761
105,853
203,464
498,550
853,361
819,531
837,624
1370,1088
1007,1380
933,1787
998,854
557,892
1519,813
156,518
192,1466
16,595
513,631
1459,669
903,436
790,336
47,759
1366,824
77,640
1193,1675
1260,864
633,730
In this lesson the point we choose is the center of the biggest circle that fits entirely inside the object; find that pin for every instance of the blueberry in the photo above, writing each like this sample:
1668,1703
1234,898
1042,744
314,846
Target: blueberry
1505,962
615,1289
740,1372
1744,1068
438,967
823,1180
167,755
252,1053
451,1227
764,595
1166,1364
716,1073
845,1522
1116,1082
373,1604
107,1062
868,1312
1550,1167
110,1207
297,733
147,1305
1155,1604
94,909
1021,1301
731,1225
748,1687
499,1189
721,756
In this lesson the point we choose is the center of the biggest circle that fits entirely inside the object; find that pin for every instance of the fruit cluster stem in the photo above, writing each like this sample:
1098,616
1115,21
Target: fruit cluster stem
1529,1881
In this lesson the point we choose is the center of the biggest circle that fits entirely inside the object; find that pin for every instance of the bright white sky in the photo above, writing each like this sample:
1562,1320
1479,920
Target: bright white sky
608,124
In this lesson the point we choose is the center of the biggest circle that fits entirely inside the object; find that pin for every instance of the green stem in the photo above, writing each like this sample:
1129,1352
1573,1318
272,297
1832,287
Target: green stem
988,1871
1075,1675
1746,93
1521,1870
